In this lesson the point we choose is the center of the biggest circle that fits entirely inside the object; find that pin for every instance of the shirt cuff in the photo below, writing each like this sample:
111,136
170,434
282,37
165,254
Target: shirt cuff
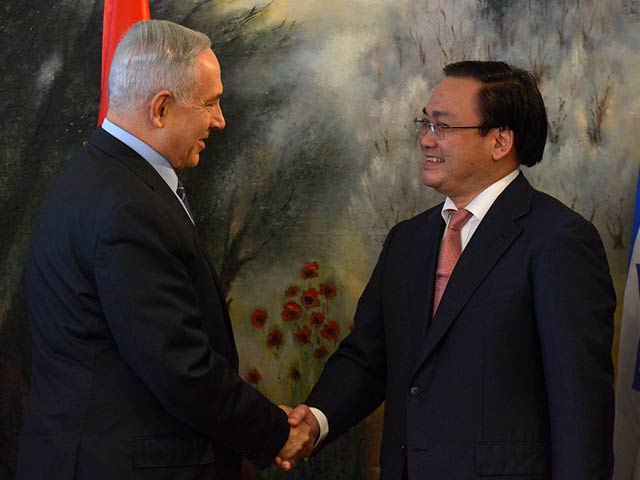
323,422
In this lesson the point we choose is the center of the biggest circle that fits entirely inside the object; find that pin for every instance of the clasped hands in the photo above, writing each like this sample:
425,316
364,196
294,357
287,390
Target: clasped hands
303,433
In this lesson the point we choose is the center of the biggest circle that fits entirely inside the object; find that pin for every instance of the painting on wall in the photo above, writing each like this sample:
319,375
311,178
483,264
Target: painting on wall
319,157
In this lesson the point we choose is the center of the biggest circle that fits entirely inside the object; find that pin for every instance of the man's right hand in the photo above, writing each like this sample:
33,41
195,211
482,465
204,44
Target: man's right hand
302,437
302,415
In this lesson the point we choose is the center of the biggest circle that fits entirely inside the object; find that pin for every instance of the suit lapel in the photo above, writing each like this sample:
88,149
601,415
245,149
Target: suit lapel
423,268
492,239
141,168
113,147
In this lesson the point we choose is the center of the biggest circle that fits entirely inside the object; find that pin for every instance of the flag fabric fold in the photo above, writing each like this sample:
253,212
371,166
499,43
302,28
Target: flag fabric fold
627,422
118,16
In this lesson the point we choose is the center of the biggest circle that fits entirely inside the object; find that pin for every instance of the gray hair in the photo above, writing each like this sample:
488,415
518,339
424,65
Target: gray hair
154,55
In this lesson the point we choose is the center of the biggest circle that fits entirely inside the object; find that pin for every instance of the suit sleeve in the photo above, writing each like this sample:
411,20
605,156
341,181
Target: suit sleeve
352,384
153,311
574,304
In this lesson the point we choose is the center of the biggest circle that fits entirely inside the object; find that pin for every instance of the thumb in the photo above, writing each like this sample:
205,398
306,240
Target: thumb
297,415
285,409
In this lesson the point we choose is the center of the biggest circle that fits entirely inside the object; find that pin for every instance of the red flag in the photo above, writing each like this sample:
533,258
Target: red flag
119,15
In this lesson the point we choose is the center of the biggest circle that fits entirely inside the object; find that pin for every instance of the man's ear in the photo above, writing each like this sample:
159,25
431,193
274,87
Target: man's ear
503,142
159,108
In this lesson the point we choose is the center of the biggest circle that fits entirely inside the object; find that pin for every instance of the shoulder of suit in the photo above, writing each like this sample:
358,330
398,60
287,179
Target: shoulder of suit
420,218
415,224
551,221
554,210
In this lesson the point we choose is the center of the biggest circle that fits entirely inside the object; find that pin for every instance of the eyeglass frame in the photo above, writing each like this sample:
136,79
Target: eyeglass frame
438,129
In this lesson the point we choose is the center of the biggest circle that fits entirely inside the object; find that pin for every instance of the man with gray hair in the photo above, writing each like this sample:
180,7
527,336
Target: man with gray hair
135,369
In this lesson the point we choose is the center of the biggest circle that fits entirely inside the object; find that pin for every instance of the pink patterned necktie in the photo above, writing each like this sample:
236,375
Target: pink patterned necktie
449,253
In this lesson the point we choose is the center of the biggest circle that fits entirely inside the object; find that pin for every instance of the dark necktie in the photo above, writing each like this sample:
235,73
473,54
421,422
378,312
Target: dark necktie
449,254
183,196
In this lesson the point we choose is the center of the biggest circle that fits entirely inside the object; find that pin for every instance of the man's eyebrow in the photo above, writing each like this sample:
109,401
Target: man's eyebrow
436,114
214,98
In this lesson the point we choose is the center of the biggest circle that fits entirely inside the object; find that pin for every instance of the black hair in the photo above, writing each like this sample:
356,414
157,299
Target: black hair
509,98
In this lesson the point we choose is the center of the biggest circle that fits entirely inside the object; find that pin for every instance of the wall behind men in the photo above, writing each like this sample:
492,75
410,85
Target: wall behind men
319,158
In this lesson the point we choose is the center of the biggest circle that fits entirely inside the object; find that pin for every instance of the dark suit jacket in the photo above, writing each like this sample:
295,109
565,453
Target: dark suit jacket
134,361
513,377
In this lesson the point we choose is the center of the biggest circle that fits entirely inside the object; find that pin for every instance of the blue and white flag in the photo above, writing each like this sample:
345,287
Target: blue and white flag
626,442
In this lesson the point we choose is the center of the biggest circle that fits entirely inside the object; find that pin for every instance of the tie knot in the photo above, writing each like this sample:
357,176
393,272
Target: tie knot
458,219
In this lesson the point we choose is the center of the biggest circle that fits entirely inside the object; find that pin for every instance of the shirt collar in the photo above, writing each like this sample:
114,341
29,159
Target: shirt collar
480,205
157,161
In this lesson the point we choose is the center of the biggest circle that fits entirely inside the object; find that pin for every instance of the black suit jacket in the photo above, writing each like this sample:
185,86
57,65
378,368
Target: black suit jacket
513,376
134,362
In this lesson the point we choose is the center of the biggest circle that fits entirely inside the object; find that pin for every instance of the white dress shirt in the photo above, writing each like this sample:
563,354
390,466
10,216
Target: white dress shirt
478,207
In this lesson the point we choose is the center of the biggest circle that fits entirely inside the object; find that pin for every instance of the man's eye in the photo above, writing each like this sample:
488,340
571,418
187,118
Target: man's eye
442,125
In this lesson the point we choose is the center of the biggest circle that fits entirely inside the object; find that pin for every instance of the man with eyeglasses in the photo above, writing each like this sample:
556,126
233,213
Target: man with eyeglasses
135,368
486,326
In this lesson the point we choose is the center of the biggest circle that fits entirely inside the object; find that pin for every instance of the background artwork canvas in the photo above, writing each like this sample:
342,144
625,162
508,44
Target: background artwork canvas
319,158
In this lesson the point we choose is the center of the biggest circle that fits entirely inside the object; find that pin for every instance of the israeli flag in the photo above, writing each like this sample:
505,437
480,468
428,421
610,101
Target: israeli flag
627,424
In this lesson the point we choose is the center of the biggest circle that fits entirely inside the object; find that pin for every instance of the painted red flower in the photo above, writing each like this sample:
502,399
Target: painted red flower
316,319
310,270
274,340
254,376
328,290
294,373
320,352
292,291
291,311
310,298
331,331
303,335
259,318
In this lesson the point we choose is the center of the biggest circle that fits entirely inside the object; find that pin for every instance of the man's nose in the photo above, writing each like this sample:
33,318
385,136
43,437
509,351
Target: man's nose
217,119
427,140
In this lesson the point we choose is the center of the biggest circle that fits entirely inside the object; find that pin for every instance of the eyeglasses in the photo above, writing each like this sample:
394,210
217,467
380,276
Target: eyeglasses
438,129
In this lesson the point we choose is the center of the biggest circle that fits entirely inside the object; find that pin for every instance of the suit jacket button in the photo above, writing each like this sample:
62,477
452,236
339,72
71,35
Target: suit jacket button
414,391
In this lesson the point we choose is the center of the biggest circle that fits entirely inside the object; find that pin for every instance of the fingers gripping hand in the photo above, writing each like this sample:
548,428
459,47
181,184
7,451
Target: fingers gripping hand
304,430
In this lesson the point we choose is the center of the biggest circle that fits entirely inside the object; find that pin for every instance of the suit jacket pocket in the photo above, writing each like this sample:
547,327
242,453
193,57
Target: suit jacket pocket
166,451
512,458
46,456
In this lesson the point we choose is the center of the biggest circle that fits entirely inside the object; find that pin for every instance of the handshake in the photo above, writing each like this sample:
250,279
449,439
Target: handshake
303,434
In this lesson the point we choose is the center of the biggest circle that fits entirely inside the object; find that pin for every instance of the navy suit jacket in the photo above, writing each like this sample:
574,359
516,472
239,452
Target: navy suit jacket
513,376
134,362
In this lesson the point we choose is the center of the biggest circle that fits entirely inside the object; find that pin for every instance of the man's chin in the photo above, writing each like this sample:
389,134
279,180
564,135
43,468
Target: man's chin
193,161
429,179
